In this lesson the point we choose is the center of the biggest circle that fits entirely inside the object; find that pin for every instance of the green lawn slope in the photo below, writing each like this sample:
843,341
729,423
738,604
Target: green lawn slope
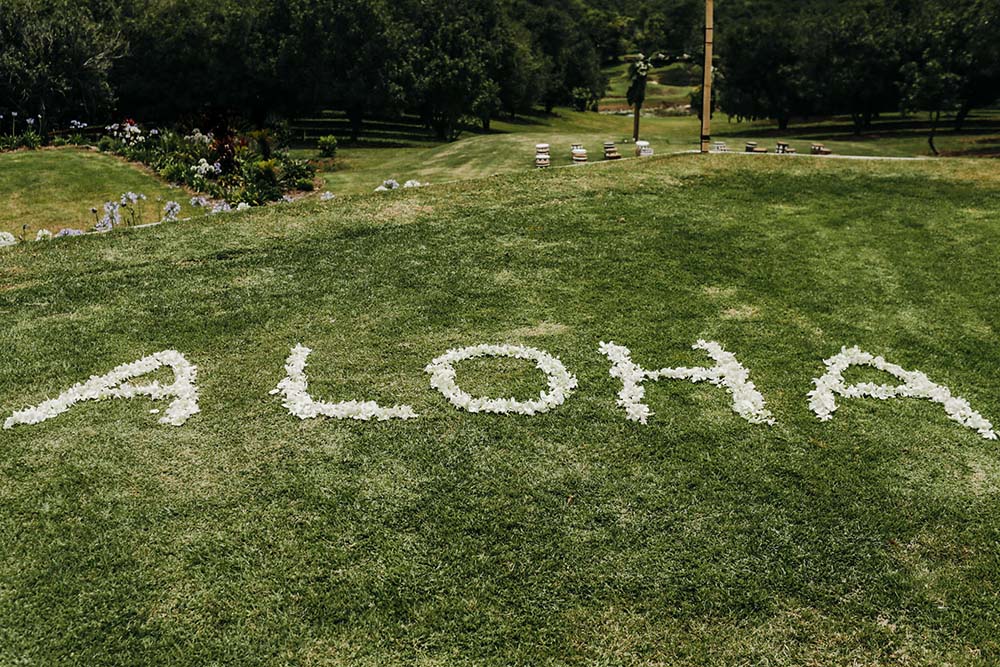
510,146
249,537
56,188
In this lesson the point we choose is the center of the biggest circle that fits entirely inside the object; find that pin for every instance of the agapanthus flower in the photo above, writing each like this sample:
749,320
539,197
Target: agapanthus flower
171,211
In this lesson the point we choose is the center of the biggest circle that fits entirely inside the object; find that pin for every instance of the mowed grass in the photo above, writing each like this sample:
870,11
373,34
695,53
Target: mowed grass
510,147
658,95
55,188
572,538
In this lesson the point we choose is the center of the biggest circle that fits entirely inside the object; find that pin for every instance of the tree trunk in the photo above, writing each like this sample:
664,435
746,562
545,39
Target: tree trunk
635,121
486,123
930,138
783,120
858,123
356,117
963,113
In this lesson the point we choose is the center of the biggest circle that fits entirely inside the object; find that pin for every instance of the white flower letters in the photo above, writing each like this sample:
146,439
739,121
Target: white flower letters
115,385
727,372
295,388
561,382
822,399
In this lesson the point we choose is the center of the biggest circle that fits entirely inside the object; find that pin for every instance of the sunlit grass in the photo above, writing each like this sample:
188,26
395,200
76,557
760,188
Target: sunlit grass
573,538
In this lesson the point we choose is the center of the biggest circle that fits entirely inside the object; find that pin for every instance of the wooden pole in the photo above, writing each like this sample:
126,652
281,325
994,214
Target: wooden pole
706,97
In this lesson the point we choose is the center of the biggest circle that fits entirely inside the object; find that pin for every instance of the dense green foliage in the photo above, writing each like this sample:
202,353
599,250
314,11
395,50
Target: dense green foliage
207,62
236,169
857,57
248,537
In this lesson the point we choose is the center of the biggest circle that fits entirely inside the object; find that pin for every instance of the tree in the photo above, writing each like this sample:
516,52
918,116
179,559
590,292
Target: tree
858,62
933,81
636,94
760,76
348,54
567,57
55,59
456,54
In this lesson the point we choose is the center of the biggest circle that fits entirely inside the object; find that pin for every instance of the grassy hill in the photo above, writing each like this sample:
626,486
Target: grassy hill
249,537
54,189
510,147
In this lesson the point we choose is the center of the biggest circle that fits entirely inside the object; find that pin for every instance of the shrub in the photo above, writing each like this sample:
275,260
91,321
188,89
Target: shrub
30,140
328,146
295,174
261,182
107,144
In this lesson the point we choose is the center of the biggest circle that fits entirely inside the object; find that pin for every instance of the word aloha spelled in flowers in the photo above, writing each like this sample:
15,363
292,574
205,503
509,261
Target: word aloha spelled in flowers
725,372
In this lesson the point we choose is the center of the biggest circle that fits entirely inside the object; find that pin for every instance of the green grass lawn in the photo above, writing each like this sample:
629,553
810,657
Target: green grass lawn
56,188
658,96
248,537
510,146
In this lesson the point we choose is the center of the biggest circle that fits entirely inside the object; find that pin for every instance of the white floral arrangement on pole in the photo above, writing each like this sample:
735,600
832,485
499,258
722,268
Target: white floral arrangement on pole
116,385
727,372
560,381
295,388
822,399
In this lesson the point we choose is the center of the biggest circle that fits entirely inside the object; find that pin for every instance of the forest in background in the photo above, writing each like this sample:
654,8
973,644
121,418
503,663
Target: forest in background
259,61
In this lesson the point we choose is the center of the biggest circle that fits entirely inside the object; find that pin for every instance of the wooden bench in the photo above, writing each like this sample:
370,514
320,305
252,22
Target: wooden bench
611,151
720,147
784,149
753,148
820,149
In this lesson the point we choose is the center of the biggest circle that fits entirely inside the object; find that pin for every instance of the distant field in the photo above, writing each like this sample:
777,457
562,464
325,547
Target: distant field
510,145
56,188
249,537
659,96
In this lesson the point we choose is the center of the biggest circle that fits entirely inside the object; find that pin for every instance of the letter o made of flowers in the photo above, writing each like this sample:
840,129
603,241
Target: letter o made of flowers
561,382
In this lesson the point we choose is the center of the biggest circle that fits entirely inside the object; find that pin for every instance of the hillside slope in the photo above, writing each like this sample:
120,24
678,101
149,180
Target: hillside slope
248,536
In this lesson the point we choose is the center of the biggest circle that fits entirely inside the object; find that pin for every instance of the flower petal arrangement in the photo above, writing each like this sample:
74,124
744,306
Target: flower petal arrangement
727,372
7,239
822,399
560,381
295,388
116,385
